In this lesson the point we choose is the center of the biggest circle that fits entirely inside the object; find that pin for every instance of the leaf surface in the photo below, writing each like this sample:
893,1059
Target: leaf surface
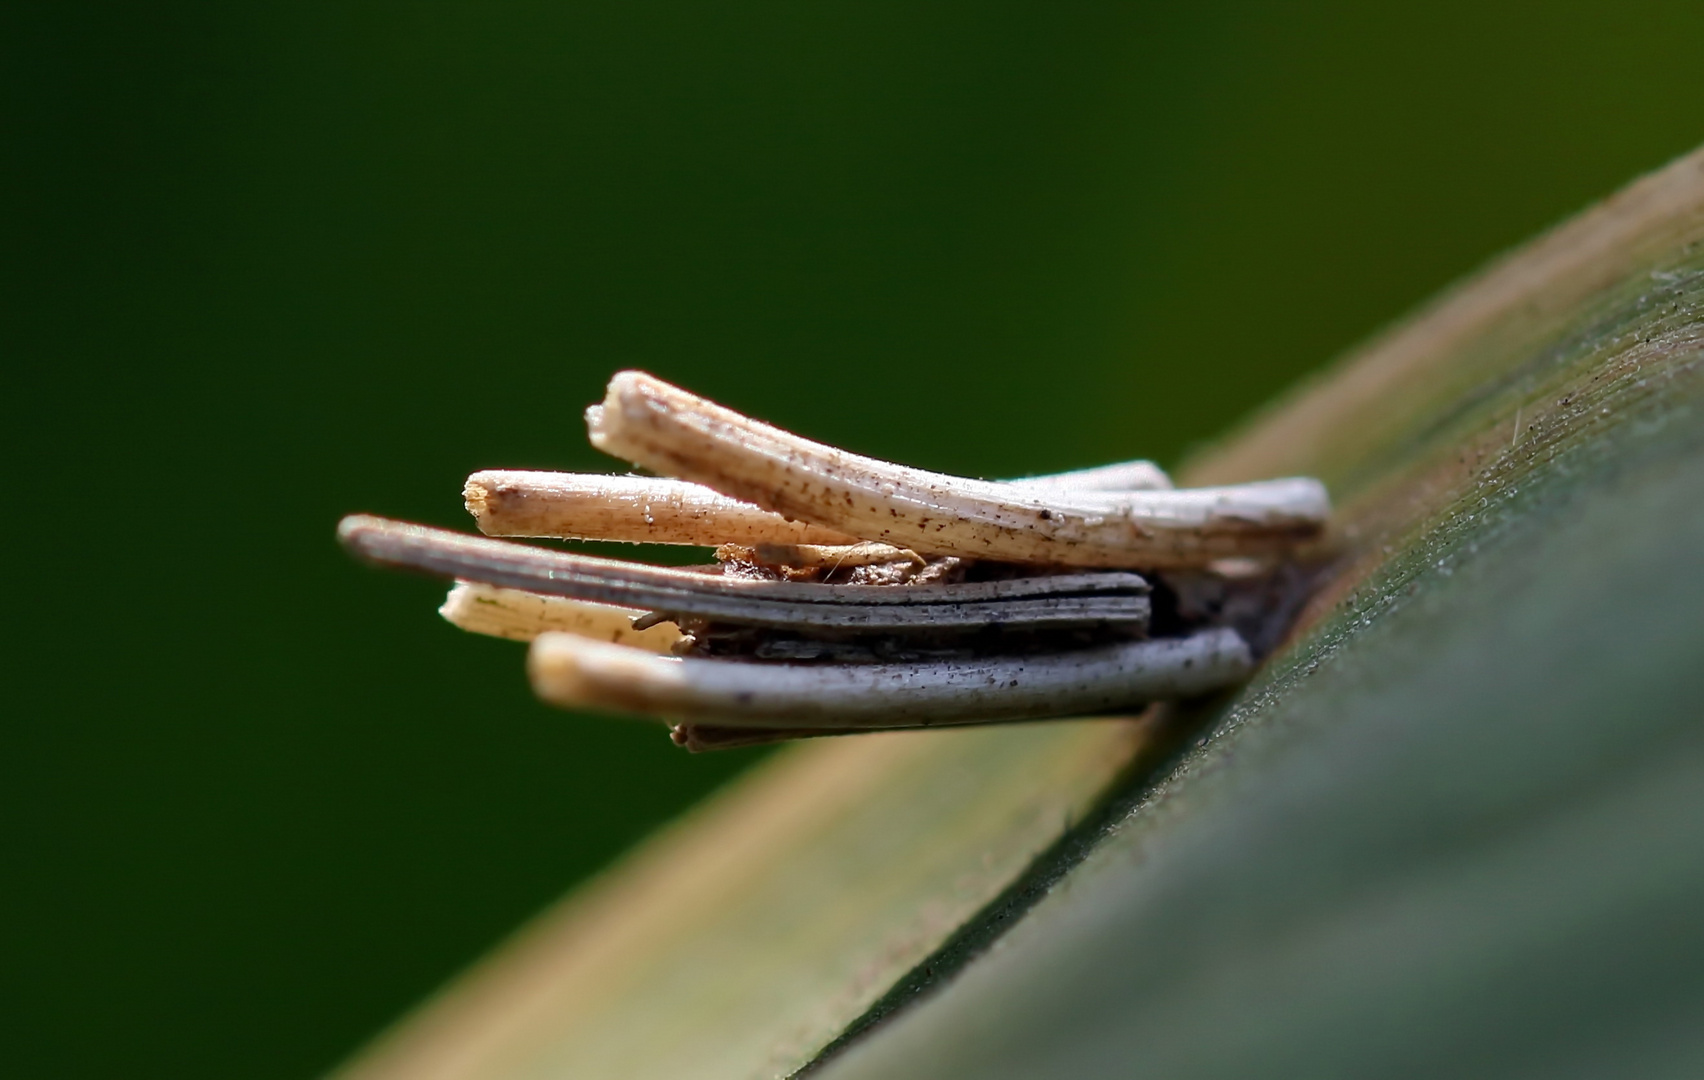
1451,827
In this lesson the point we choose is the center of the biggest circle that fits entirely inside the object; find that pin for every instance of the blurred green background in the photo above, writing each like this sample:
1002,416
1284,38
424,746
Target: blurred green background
267,263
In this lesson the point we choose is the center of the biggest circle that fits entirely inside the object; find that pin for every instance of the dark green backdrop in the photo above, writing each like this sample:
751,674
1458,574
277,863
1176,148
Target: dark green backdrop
266,263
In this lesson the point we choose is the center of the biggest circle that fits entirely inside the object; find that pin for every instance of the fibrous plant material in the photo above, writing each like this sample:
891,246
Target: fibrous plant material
1062,600
637,509
668,430
1119,476
852,594
572,670
811,559
660,510
522,616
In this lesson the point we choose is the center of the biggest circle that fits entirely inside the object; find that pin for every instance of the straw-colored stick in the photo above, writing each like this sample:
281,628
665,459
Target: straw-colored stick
1121,476
522,616
576,672
668,430
637,509
1063,600
660,510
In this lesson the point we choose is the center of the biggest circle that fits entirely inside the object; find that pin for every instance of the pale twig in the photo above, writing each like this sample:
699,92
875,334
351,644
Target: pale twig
577,672
522,616
638,509
1121,476
1083,599
660,510
667,430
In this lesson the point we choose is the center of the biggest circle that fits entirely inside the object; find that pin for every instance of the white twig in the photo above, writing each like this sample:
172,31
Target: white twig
522,616
1122,476
667,430
576,672
661,510
638,509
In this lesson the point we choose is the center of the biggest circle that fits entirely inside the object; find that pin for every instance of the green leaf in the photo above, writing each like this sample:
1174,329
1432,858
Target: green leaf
1455,829
1452,828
